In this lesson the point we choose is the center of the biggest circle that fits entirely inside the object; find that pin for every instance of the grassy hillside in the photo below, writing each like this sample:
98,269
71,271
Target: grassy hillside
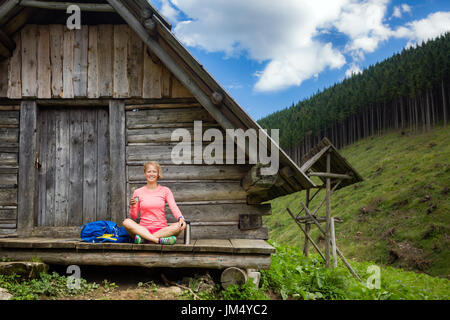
399,216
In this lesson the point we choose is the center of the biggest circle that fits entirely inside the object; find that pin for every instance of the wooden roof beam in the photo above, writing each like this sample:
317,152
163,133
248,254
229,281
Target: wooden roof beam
171,64
331,175
94,7
6,8
7,41
4,51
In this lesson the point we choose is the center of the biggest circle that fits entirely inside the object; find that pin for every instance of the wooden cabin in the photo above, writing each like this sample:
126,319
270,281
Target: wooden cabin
82,110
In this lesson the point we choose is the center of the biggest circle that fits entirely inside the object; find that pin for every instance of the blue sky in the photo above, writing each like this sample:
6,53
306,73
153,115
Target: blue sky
270,54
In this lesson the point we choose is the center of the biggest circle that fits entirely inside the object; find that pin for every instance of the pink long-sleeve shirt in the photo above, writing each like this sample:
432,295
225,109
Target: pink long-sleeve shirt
152,205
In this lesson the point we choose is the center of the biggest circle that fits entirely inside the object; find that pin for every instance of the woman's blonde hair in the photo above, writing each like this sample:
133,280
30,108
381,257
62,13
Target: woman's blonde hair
156,165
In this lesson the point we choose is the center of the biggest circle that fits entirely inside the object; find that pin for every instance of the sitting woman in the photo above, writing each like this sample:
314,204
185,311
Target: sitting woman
151,200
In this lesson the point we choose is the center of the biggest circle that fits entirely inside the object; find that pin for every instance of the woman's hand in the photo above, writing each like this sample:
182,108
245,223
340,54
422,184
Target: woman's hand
132,202
181,224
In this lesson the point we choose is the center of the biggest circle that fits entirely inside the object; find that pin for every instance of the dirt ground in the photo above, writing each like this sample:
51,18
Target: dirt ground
129,283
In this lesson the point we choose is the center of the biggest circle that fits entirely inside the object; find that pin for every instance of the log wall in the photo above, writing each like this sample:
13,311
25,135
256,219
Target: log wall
99,61
9,164
51,64
210,196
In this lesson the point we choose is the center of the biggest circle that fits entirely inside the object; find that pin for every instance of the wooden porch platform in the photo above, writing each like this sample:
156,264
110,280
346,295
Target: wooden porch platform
205,253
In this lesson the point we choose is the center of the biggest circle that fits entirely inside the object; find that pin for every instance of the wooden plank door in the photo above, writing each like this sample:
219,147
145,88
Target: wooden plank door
73,160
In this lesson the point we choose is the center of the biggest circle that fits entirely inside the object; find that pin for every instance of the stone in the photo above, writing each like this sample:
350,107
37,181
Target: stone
176,291
5,295
254,276
24,269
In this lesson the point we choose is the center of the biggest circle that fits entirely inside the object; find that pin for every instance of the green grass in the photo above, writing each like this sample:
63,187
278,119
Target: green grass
294,276
47,286
405,193
291,276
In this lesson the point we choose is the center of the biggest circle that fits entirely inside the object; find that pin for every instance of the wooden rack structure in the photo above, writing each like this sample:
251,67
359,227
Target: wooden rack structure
325,162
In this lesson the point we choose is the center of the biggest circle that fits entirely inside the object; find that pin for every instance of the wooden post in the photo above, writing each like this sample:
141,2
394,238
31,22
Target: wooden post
118,202
328,212
339,253
27,169
307,228
306,235
333,243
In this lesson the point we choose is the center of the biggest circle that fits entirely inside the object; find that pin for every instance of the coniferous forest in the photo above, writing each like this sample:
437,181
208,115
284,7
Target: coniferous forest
408,91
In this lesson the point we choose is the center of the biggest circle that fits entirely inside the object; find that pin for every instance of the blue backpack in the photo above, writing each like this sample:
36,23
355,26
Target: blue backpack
104,231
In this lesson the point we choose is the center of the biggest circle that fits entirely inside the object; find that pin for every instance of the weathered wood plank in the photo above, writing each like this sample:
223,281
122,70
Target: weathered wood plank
56,59
236,246
118,203
121,83
15,70
8,224
75,196
8,214
9,137
166,83
80,61
43,59
9,170
62,169
178,90
163,104
8,179
105,60
251,246
192,191
173,153
135,65
140,154
86,7
10,108
103,166
29,60
93,85
226,212
218,245
48,217
90,143
192,172
42,167
4,66
68,41
8,197
147,259
152,77
144,119
9,119
162,135
9,160
227,232
27,174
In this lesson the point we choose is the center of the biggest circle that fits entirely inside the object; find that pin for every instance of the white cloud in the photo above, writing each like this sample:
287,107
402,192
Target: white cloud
397,12
279,34
287,36
406,8
353,69
168,11
363,22
297,66
432,26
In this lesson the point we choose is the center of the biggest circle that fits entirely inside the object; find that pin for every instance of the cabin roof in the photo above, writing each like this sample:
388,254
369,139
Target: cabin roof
156,33
315,161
